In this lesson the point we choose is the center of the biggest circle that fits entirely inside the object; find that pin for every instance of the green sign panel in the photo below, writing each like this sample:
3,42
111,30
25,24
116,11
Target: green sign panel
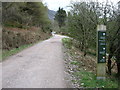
101,47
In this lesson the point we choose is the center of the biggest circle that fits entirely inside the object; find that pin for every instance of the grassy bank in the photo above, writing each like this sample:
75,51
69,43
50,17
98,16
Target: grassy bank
7,53
0,55
84,69
88,79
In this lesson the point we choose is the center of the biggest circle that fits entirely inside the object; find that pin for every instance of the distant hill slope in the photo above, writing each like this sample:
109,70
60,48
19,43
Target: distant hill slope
51,14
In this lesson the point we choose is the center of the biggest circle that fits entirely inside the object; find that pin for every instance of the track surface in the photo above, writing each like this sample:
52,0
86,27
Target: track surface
40,66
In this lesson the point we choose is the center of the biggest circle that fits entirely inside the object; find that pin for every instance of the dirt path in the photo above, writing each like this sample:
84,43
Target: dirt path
40,66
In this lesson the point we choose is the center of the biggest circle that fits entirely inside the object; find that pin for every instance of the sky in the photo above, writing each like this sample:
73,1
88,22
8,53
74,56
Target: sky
55,4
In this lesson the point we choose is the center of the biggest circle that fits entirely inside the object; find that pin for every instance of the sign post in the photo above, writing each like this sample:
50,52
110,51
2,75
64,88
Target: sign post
101,52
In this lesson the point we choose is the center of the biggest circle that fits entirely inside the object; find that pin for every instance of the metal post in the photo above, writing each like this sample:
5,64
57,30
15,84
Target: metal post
101,52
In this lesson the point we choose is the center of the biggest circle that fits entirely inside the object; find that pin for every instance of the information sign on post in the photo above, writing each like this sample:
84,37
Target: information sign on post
101,51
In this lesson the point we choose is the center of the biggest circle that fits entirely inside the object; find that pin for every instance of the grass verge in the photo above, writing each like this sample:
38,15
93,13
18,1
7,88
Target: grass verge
6,53
0,55
86,78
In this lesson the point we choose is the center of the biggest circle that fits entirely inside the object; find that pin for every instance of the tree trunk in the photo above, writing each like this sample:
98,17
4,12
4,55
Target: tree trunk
118,68
118,73
109,64
84,53
82,45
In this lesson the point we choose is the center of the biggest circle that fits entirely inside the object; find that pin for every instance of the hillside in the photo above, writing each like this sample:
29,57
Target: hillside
51,14
24,23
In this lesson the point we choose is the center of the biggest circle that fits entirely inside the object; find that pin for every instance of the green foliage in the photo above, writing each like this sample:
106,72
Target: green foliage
82,25
67,42
60,17
113,38
88,79
75,63
24,14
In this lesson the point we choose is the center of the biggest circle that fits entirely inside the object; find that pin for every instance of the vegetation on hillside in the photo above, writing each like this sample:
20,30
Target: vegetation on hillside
24,23
83,69
25,15
81,25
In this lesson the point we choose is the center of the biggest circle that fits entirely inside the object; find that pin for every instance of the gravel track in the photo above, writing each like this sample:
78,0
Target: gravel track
39,66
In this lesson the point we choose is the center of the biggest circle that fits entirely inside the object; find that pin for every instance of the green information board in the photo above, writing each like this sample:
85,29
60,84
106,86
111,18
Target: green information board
101,47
